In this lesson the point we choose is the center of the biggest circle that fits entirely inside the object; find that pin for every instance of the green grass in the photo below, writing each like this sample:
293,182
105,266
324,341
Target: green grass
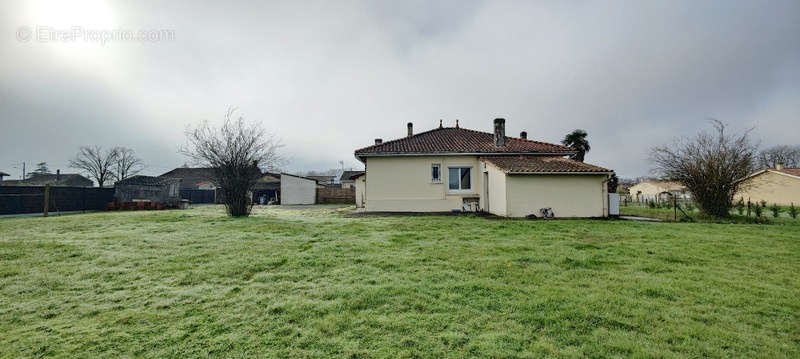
314,283
668,214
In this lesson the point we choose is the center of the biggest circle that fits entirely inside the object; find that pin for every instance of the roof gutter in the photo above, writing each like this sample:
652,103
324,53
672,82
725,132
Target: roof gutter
361,156
560,173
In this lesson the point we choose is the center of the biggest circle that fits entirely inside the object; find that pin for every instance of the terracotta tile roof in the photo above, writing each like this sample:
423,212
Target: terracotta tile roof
541,164
790,171
459,140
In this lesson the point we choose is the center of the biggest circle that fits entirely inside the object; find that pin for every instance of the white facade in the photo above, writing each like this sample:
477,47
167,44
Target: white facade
298,190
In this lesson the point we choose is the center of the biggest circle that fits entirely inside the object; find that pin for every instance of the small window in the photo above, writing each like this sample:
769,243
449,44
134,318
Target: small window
459,178
436,173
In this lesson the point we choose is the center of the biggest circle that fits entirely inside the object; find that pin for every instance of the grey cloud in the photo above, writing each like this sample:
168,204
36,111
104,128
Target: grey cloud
328,77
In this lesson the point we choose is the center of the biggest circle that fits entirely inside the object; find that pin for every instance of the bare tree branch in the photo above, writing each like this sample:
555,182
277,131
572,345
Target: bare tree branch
788,156
95,163
126,164
711,166
237,151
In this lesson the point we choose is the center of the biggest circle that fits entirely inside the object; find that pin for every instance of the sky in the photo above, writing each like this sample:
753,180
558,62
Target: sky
328,77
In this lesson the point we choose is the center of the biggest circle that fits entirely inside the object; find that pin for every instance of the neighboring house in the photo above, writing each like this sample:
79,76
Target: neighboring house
3,174
347,179
297,189
775,185
54,179
659,191
193,178
148,189
452,168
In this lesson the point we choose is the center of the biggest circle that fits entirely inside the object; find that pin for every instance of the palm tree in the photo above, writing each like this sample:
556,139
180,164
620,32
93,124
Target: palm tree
577,141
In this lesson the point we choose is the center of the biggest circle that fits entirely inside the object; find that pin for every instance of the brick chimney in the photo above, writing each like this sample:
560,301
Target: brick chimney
410,129
523,135
378,141
499,132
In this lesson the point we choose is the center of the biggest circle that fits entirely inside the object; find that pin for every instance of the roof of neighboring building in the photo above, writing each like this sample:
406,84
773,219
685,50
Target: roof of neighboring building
322,178
53,179
3,174
790,171
305,178
459,140
191,177
140,180
527,164
349,175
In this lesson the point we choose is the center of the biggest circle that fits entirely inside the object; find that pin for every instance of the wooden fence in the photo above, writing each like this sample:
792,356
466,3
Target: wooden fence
336,195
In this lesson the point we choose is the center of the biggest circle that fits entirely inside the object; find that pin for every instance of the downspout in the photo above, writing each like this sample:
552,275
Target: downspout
604,194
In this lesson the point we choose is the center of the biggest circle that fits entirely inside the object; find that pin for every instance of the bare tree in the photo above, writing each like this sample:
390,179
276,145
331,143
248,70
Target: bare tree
788,156
126,164
95,162
236,151
710,165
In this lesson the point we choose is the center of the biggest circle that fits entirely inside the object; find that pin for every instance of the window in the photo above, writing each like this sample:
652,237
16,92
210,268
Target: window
436,174
459,178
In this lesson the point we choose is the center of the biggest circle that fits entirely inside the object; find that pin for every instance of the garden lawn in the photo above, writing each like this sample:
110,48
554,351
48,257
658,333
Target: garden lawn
316,283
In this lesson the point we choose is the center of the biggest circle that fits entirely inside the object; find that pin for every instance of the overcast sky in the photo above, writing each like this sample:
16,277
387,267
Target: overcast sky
328,77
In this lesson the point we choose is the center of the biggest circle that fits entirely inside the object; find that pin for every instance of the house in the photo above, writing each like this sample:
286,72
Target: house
456,169
53,179
658,191
347,179
3,174
777,185
193,178
297,189
165,191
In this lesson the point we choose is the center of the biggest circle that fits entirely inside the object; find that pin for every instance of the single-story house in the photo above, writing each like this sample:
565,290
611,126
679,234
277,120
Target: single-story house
658,191
193,178
165,191
297,189
777,185
53,179
347,179
456,169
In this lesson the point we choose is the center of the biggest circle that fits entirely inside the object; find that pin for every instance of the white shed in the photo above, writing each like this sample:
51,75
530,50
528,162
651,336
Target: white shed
297,189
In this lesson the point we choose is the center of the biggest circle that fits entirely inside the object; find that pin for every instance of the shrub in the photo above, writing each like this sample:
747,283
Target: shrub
710,165
793,211
740,206
776,211
758,210
651,204
763,203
